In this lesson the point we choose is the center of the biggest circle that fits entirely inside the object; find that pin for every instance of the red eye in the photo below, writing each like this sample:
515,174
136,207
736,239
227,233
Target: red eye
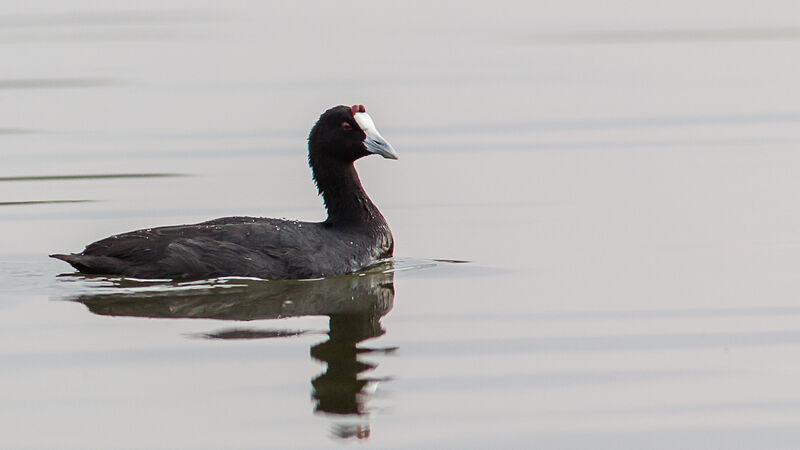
346,126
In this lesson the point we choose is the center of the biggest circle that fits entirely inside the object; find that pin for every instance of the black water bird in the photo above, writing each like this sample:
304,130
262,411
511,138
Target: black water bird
354,236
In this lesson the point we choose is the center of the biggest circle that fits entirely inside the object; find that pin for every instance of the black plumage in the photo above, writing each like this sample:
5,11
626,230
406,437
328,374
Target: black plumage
354,236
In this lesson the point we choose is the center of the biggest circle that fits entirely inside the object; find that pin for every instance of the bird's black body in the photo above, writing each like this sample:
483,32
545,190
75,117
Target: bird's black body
354,236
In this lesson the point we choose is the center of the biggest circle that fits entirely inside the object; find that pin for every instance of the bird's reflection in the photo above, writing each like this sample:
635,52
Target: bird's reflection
355,305
342,389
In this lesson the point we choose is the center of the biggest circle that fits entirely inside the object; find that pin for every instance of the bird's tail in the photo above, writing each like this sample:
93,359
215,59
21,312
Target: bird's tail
92,264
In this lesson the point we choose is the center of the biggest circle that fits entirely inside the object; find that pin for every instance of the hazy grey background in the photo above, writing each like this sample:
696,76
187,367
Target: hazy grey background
623,176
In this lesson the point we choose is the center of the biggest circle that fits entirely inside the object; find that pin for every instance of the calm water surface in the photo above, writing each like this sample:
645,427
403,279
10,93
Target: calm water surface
622,180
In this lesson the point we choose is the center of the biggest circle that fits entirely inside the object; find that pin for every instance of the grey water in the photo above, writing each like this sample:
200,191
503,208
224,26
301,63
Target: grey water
595,214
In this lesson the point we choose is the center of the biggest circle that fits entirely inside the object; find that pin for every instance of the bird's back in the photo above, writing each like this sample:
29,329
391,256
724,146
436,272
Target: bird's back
231,246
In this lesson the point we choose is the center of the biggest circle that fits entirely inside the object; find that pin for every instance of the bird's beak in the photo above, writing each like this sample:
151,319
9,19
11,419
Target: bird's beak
374,142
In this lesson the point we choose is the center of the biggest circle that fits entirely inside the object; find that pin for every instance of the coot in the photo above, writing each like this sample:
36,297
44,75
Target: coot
354,236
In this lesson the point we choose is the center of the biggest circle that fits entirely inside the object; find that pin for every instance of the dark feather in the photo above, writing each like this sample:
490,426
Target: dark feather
354,236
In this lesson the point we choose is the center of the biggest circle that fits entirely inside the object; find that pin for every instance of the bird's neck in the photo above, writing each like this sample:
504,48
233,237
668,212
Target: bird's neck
344,197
